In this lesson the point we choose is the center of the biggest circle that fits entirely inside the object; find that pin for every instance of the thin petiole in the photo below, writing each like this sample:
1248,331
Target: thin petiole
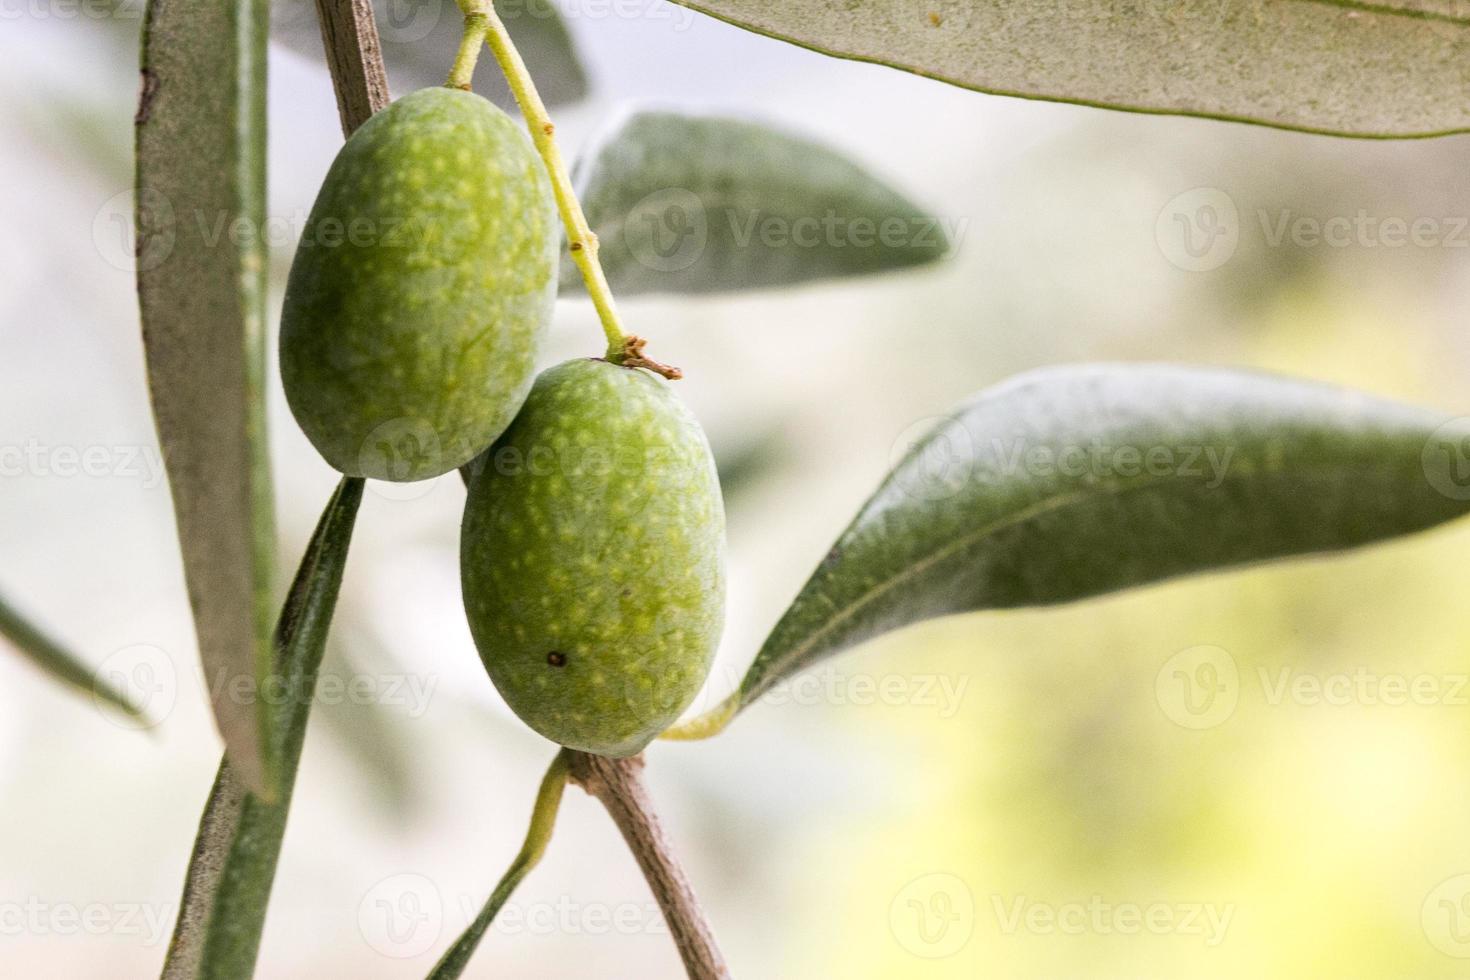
462,74
580,239
707,725
538,835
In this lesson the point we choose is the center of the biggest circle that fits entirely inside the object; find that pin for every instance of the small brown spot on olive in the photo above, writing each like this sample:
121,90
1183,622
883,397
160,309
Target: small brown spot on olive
576,246
556,658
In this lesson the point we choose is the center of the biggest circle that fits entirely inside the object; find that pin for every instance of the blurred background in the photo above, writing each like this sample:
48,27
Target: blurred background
1018,795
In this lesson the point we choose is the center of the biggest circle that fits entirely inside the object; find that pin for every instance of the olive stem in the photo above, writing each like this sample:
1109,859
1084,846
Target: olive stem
618,785
580,238
538,835
462,73
707,725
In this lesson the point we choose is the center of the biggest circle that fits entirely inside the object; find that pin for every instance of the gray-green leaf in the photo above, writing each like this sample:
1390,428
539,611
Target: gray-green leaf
419,41
58,661
234,861
689,204
1372,68
201,262
1072,482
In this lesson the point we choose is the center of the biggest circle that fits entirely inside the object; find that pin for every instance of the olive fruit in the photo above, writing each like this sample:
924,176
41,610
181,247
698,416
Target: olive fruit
421,289
592,558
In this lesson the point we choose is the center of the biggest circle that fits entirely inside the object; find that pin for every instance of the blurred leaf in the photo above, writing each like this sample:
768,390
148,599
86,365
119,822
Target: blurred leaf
364,728
1073,482
1384,68
59,662
419,39
543,821
691,204
201,262
745,459
234,861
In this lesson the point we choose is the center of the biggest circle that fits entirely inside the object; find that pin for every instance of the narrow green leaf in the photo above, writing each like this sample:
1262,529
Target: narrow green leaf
59,662
538,836
1072,482
201,287
690,204
419,41
234,860
1389,68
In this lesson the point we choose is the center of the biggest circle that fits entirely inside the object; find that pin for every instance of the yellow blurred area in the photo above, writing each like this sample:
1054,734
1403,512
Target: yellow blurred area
1096,805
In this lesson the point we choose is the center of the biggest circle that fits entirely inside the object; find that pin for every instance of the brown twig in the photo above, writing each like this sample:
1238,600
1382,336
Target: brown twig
350,36
618,785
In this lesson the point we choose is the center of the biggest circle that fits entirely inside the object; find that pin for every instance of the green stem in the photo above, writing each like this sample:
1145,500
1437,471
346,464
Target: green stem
707,725
580,239
463,72
543,819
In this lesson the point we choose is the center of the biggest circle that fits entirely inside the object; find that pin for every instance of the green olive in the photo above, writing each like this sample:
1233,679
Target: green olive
592,558
421,290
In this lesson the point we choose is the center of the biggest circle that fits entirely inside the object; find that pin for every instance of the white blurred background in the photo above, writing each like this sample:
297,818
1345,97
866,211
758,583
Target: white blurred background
1030,774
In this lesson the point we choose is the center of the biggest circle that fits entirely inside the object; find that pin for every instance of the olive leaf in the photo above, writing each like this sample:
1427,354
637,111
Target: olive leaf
233,864
366,730
1072,482
58,661
419,41
696,204
1382,68
201,262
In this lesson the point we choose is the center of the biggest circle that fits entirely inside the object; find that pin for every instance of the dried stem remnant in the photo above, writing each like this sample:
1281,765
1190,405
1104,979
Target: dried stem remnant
632,356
